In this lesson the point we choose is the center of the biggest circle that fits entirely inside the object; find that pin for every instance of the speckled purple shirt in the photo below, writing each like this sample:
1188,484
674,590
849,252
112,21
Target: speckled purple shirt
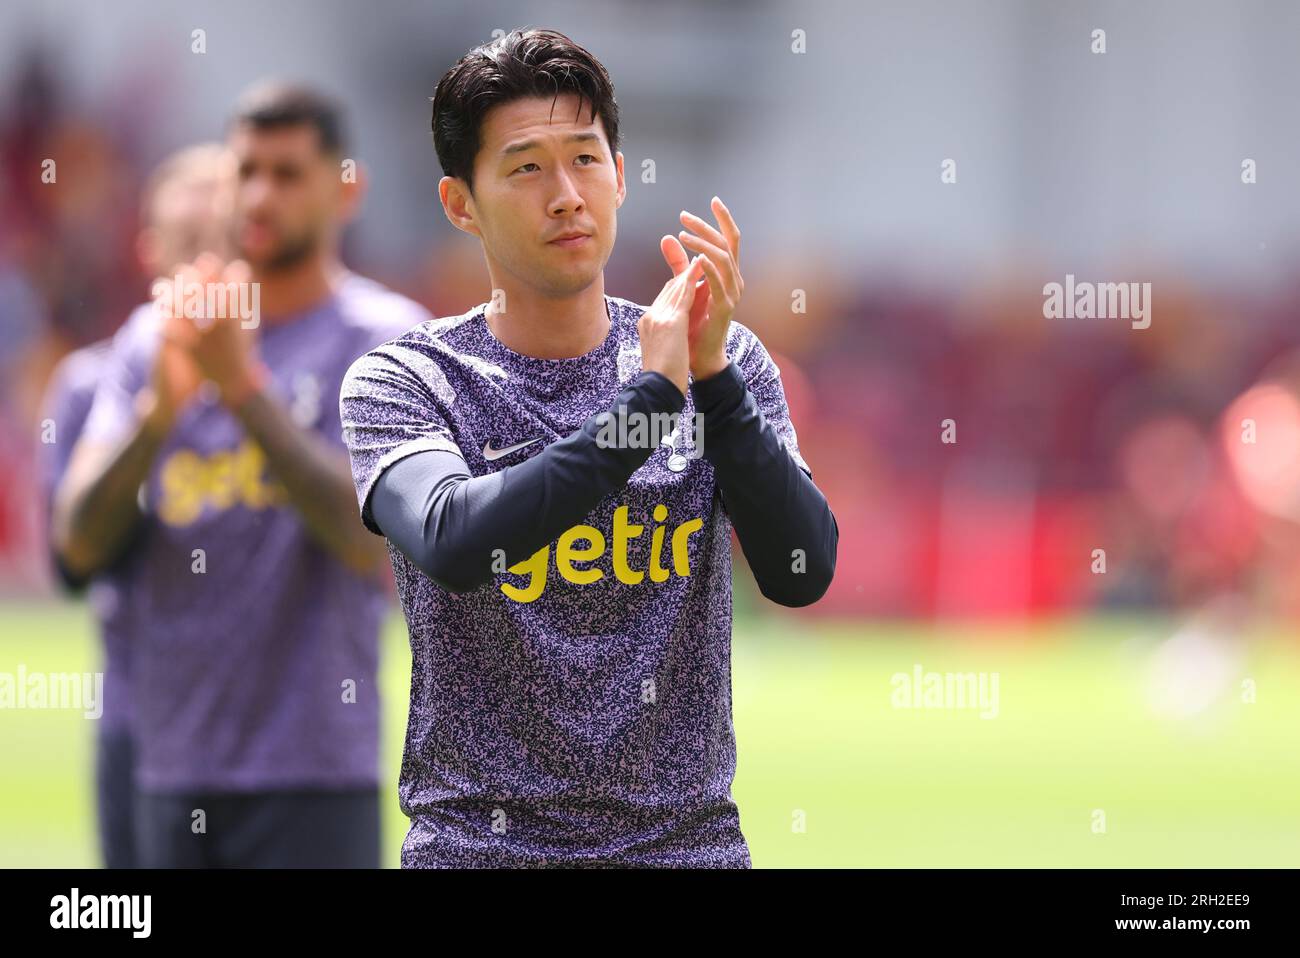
238,671
591,725
67,402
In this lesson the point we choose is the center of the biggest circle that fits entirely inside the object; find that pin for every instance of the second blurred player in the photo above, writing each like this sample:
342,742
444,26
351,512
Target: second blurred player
255,602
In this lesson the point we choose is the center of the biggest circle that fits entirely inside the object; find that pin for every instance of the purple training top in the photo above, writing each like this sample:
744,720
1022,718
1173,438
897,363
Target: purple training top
249,637
66,405
576,716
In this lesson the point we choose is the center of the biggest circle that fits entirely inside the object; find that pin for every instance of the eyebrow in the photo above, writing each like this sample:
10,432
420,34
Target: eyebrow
533,144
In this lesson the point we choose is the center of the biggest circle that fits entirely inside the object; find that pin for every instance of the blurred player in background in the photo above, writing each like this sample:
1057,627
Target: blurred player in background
179,217
255,599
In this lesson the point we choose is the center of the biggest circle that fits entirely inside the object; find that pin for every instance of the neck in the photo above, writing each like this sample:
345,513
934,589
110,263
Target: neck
299,287
545,327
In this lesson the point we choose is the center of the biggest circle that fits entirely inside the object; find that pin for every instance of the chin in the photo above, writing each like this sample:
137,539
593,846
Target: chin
563,281
574,282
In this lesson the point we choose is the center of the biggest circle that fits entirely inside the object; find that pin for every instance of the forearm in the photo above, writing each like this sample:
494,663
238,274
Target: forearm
460,531
96,508
316,477
784,524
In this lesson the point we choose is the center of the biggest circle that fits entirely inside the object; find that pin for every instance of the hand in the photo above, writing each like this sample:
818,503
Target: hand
663,327
711,317
220,347
174,378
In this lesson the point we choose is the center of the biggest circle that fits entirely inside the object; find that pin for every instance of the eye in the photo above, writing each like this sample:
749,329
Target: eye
526,164
589,157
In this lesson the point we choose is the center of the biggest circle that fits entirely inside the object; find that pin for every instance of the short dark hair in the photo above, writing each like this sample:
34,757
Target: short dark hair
523,63
278,104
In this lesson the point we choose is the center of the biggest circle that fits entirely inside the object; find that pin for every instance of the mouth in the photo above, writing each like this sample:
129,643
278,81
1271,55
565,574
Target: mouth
257,234
570,242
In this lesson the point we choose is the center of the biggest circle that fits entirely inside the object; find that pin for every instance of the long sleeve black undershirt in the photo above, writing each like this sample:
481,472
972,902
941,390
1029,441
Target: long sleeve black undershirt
785,526
450,525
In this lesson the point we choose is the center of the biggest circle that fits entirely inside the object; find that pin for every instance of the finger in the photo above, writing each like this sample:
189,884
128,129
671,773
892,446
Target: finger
183,275
729,228
685,283
237,272
208,266
704,228
178,331
669,290
700,308
719,257
674,254
716,287
188,273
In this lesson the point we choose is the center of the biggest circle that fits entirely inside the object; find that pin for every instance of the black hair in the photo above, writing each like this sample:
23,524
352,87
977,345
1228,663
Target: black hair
278,104
522,63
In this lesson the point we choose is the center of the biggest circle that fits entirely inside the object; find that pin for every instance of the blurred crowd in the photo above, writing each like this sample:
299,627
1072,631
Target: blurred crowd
980,459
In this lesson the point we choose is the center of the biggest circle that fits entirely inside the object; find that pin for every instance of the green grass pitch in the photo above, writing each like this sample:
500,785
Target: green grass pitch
831,773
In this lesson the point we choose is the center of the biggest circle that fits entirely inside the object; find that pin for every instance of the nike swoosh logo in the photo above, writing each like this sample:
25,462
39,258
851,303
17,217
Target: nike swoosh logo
491,454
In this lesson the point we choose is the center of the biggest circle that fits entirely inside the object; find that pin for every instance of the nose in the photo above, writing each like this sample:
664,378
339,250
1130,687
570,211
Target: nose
568,200
255,192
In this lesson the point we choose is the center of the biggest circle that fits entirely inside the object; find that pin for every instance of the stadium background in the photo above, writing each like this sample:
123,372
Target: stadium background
1123,691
